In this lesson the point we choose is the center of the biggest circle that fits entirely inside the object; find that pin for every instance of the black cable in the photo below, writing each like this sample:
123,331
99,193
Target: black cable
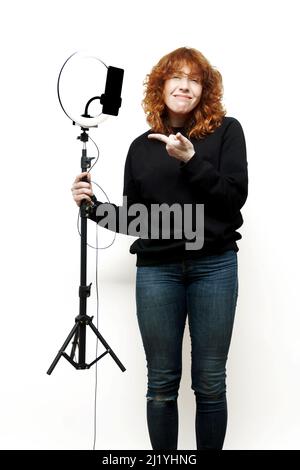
91,246
94,182
98,153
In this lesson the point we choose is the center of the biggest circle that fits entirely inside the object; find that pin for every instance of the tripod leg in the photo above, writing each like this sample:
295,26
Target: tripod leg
74,329
75,343
107,346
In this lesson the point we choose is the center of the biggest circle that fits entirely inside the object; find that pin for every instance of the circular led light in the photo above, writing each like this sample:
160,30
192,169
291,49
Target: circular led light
81,78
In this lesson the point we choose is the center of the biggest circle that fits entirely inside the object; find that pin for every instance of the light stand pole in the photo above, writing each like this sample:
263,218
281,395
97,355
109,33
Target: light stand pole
82,320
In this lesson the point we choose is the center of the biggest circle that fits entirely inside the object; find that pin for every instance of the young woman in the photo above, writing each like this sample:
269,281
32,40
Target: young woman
193,156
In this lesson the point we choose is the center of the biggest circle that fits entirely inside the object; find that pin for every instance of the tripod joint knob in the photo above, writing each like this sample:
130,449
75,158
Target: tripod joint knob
84,319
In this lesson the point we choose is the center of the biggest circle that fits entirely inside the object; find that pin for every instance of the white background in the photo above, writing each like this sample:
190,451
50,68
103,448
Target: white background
254,45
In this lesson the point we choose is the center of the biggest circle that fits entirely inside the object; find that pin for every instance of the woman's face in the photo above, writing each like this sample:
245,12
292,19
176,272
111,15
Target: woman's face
181,93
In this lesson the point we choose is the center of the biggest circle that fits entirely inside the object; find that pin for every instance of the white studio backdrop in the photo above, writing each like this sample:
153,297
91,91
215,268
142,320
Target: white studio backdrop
253,44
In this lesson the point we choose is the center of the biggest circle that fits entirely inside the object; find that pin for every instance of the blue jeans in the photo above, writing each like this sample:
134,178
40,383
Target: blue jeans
206,291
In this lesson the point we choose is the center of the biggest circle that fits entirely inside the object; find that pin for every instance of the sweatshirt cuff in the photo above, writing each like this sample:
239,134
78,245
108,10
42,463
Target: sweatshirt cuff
189,162
93,208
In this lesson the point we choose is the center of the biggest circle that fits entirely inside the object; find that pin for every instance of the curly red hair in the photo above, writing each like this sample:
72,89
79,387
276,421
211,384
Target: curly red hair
207,115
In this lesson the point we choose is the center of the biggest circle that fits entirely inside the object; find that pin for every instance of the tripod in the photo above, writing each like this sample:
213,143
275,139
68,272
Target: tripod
83,320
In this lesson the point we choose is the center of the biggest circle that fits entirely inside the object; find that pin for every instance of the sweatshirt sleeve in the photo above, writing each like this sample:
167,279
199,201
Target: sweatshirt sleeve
225,189
112,216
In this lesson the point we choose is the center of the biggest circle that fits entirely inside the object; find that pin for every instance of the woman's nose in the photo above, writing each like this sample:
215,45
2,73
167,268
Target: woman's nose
184,83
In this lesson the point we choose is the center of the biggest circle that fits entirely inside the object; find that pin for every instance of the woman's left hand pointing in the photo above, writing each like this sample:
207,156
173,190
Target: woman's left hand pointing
177,145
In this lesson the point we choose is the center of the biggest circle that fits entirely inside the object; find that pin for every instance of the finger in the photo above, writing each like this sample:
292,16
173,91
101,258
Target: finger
161,137
81,197
82,191
86,174
78,190
182,138
177,141
79,177
82,184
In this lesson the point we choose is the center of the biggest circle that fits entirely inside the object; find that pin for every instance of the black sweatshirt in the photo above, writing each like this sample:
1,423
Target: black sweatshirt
216,176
